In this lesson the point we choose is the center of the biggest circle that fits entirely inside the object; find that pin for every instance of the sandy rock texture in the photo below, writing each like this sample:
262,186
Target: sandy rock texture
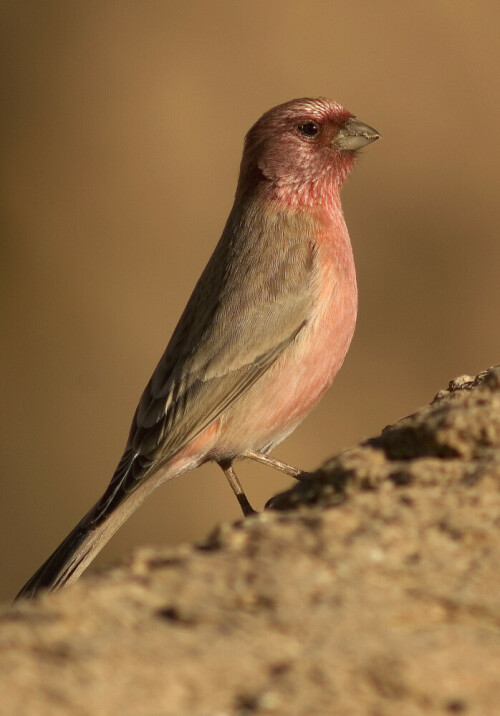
373,587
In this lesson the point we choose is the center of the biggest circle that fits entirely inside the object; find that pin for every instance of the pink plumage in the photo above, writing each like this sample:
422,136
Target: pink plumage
263,335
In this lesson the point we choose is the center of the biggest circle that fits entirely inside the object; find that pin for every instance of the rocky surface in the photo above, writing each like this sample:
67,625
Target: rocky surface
373,587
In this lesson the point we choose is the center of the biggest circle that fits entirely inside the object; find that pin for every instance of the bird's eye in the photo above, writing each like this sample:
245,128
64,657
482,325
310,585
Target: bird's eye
309,129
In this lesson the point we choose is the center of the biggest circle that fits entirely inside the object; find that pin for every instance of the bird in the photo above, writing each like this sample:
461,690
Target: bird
263,335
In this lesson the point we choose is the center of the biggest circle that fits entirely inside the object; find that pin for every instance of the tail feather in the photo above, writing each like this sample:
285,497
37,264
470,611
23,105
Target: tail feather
62,565
90,535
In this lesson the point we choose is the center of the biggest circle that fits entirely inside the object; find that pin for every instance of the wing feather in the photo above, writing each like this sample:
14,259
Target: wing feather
250,303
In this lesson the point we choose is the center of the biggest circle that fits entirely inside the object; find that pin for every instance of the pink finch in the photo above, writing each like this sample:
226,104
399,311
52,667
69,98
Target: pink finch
262,336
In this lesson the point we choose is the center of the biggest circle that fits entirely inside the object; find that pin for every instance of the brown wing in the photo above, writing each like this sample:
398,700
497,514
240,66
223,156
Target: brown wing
250,303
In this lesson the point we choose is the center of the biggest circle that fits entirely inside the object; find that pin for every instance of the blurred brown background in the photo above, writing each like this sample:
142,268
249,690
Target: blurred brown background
122,131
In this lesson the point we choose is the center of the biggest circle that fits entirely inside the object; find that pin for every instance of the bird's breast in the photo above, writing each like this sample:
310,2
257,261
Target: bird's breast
283,396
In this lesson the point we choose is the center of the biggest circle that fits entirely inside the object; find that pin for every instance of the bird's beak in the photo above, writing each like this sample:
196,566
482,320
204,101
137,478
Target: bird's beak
353,135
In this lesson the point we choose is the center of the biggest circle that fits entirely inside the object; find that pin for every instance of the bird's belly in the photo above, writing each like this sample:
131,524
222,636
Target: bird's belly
273,407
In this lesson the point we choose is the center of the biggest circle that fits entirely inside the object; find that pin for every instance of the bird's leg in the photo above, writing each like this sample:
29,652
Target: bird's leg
277,464
246,507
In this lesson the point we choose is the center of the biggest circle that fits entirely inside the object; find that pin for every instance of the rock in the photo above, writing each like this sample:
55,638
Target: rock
372,587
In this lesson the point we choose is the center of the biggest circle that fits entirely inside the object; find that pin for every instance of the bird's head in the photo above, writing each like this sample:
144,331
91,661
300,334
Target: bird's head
301,146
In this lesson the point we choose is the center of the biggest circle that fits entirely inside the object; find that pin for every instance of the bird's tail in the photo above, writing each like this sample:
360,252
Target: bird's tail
85,541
